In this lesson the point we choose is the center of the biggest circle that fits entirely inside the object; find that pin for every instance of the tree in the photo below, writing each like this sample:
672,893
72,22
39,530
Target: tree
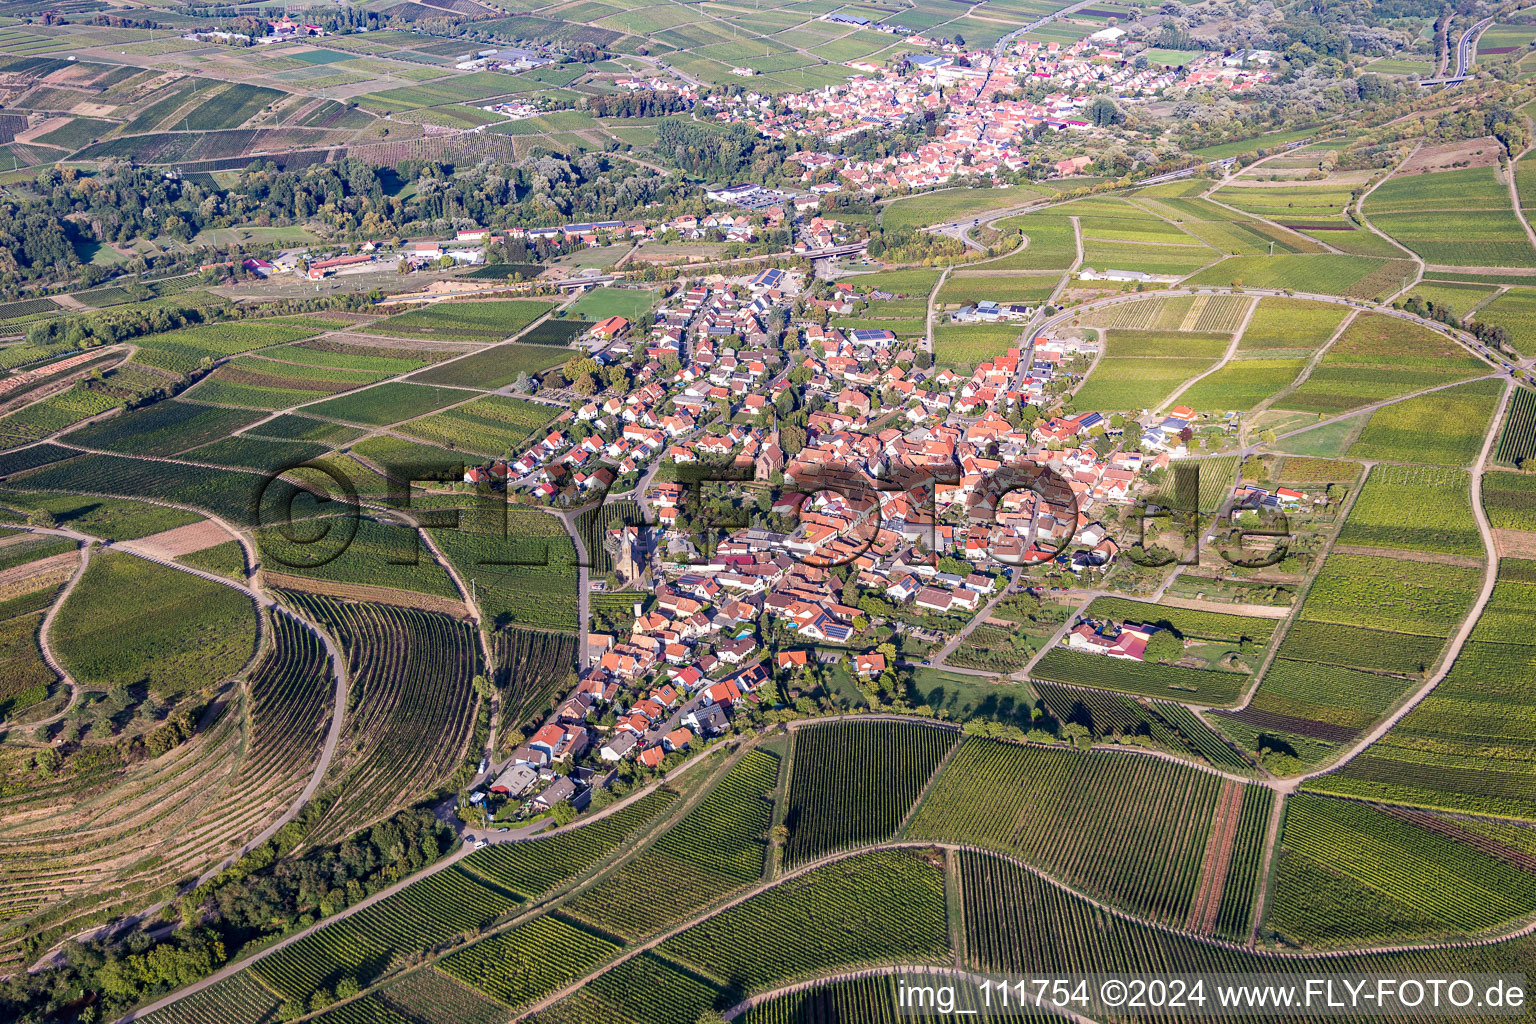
1165,645
42,518
1105,113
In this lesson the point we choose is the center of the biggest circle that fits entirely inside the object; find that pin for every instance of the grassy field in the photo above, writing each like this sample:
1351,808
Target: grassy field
601,303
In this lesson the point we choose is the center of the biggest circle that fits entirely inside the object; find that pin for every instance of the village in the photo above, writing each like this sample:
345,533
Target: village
878,505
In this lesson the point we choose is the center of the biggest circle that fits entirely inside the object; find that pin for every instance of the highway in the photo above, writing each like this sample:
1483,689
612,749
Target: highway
1466,53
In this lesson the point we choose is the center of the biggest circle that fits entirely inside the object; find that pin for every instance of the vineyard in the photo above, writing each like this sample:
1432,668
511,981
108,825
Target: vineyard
429,996
531,869
881,767
1016,923
1480,721
464,321
1348,872
1171,682
290,705
410,709
716,848
1517,441
531,960
1329,703
532,670
1509,499
1291,324
164,428
24,677
1415,508
494,367
1184,621
1380,357
493,425
594,523
1113,715
526,576
874,908
1385,593
645,989
368,944
238,999
179,633
379,554
1441,429
1127,829
387,403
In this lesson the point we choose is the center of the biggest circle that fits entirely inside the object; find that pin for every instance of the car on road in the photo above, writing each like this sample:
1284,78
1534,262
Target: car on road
479,843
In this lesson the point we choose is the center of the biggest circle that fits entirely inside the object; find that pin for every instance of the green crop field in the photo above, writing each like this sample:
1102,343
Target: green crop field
179,633
493,320
1510,500
495,367
1377,592
965,345
1050,244
717,847
1141,369
1126,829
1415,508
1360,277
1459,217
1280,323
1479,723
388,403
1517,438
494,425
1445,428
866,909
601,303
953,204
1348,873
1380,357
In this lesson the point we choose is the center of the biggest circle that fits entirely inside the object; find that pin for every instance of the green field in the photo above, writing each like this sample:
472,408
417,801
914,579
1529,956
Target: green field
179,632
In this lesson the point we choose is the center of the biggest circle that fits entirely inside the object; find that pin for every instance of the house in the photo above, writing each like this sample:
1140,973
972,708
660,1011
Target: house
651,757
619,747
1128,643
677,739
611,328
515,781
868,665
559,791
708,720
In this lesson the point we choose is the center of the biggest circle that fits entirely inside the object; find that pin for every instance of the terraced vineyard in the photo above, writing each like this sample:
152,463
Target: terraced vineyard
411,703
